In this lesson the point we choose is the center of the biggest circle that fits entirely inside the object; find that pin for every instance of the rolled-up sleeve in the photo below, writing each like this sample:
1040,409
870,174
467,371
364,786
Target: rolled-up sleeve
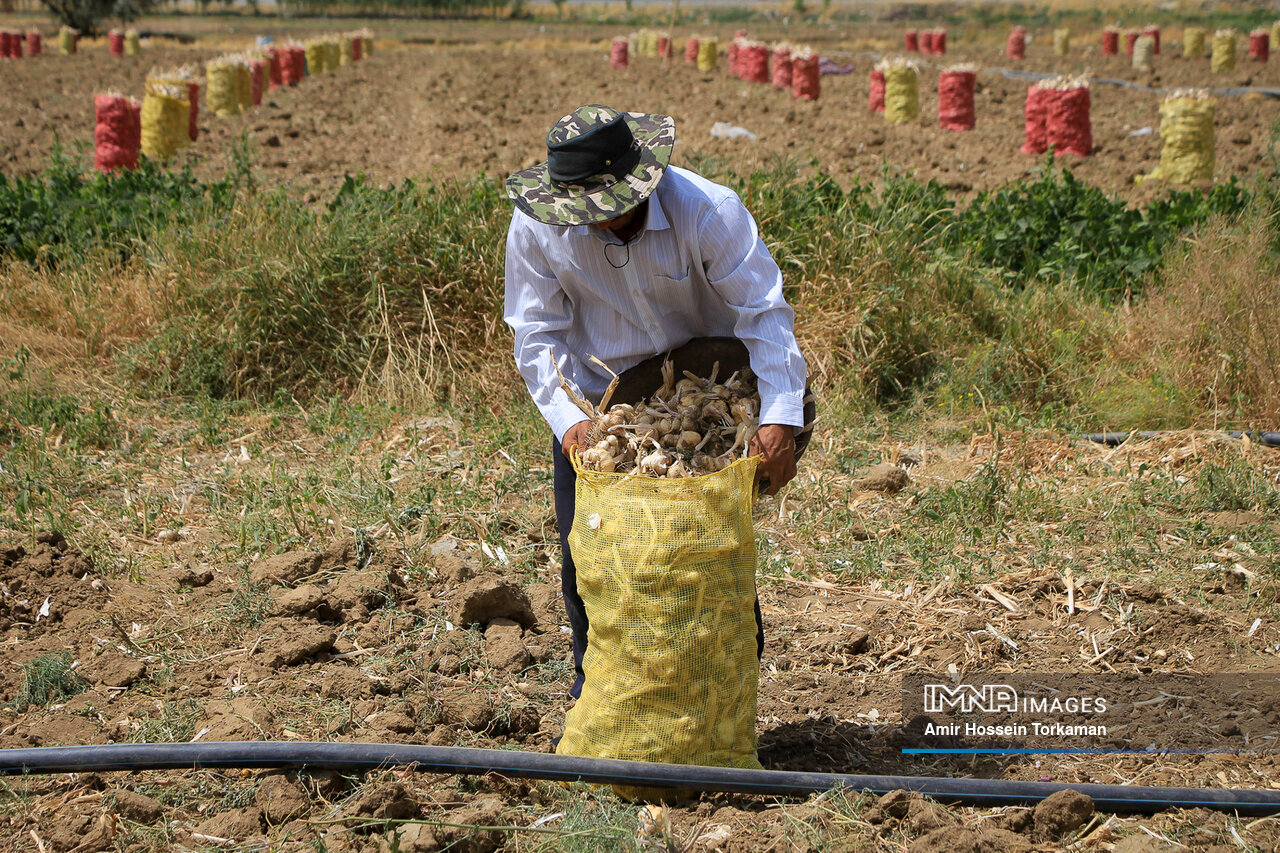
739,267
539,313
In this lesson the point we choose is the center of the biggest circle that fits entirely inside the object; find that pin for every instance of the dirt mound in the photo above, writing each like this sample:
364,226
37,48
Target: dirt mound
52,587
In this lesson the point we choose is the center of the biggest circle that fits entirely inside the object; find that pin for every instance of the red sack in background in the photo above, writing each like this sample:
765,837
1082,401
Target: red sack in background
939,42
35,45
1069,128
664,47
115,142
1035,121
691,52
1130,37
618,53
273,64
1260,46
298,59
735,45
926,41
16,41
782,68
955,99
1015,46
754,61
115,43
193,97
5,49
357,53
1154,32
1110,42
257,76
804,78
911,41
875,103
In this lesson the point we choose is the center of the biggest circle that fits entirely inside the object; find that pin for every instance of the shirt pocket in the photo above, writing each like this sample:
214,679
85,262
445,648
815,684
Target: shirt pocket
677,279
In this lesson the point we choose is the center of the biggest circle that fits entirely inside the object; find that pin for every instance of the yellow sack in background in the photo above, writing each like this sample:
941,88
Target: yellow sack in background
165,117
667,571
1186,127
1224,51
707,50
366,47
222,89
1193,42
132,43
316,56
332,54
1061,42
244,86
348,54
901,94
1144,52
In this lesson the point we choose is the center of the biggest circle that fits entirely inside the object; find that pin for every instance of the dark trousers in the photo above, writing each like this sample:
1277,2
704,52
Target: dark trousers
565,481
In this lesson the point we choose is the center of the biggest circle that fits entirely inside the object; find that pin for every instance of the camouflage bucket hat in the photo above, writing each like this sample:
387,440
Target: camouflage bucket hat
600,164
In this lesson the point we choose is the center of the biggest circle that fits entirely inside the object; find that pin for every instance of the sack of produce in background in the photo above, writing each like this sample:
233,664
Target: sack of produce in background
955,97
1110,42
1186,128
116,134
901,91
1193,42
805,79
1224,51
1015,46
782,66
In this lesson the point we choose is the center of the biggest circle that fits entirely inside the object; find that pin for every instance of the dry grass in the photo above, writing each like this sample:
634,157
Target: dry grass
1215,325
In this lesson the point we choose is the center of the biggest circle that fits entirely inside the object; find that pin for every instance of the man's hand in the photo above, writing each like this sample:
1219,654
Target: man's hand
576,436
776,445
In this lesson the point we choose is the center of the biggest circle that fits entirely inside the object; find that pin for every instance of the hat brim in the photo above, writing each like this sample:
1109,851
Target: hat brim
535,194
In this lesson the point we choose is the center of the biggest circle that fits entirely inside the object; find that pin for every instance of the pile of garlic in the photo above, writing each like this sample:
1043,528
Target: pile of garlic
687,428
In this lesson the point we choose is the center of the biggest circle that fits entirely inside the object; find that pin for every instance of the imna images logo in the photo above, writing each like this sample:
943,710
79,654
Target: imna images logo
967,698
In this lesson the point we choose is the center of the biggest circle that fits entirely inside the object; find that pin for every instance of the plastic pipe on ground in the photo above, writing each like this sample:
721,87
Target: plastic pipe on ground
563,768
1111,439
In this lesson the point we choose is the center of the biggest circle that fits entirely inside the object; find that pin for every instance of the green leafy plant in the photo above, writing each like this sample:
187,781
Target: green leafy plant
47,679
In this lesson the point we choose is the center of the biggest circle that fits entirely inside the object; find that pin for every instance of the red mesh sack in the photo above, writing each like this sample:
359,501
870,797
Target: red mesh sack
257,76
5,49
193,97
1130,37
1110,42
15,45
911,41
1154,32
1260,46
804,78
287,67
782,68
618,53
955,99
1035,122
940,42
691,51
754,61
1015,46
664,47
135,122
926,41
357,50
734,47
298,59
876,102
115,142
115,43
35,44
274,72
1069,129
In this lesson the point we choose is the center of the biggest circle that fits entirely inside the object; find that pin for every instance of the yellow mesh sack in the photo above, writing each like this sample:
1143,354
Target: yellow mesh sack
1186,128
132,43
332,54
222,89
348,51
244,86
1193,42
165,117
315,56
707,50
1224,51
901,94
1061,42
1144,51
667,571
366,47
1274,40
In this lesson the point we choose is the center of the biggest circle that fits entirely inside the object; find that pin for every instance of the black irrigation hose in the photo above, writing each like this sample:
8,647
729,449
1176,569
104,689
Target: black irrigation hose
1113,439
563,768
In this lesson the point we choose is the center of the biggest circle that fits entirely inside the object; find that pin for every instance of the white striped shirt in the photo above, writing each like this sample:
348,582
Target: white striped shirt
698,268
